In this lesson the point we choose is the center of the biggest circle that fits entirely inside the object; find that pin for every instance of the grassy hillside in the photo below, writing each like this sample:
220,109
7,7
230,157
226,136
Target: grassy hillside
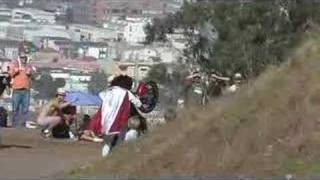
269,128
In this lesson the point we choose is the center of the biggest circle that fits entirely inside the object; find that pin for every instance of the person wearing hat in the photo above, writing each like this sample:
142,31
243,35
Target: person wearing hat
20,74
51,114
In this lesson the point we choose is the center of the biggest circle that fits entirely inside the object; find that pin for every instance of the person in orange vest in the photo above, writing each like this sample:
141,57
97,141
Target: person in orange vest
20,74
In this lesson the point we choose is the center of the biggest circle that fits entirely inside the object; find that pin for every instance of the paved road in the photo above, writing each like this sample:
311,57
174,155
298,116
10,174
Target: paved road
25,154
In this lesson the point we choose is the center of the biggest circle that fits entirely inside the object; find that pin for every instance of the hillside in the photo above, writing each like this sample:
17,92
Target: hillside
269,128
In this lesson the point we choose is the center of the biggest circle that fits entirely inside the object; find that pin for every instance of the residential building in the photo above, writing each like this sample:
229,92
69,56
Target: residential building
5,14
3,29
91,33
75,81
36,32
134,30
13,31
117,25
138,70
90,49
89,11
27,15
9,48
169,55
177,40
98,9
141,53
137,8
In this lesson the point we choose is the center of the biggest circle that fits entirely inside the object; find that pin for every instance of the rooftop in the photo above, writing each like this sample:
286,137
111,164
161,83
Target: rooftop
34,11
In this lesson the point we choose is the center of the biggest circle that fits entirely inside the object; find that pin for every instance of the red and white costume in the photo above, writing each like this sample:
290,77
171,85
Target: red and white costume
115,110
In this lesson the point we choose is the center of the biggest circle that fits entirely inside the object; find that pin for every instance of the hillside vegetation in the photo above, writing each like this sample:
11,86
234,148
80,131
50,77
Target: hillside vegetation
269,128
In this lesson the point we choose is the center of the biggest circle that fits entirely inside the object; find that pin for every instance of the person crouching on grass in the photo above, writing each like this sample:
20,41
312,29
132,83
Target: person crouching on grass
51,114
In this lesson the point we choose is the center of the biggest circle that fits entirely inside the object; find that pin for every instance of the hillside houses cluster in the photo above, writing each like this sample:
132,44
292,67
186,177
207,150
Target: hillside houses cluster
80,37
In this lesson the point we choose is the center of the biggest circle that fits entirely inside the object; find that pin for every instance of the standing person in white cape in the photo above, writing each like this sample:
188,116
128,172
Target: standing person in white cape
115,110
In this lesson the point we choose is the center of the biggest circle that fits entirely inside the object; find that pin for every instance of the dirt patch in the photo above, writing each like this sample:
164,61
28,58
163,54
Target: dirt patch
25,154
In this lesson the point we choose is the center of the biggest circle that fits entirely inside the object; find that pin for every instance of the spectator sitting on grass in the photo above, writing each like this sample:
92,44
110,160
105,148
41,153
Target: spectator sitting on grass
86,131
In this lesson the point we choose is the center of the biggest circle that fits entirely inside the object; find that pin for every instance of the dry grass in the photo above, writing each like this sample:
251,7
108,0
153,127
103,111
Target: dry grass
269,128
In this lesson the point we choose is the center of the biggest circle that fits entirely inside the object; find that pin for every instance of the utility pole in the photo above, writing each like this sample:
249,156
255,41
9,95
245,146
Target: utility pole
136,70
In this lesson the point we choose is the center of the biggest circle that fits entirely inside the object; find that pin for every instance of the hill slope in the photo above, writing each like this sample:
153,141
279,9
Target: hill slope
269,128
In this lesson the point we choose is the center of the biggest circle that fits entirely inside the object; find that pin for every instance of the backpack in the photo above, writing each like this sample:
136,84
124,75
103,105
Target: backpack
61,131
3,117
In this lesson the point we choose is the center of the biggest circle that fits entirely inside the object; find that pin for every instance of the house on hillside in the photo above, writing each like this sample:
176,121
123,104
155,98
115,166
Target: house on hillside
9,48
91,49
5,14
75,80
91,33
178,40
37,33
141,53
28,15
134,30
138,70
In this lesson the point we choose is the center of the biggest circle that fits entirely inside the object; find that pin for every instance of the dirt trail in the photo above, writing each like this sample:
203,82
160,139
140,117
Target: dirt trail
25,154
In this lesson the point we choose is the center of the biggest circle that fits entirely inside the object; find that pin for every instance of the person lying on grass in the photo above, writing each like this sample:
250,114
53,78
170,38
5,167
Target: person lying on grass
87,132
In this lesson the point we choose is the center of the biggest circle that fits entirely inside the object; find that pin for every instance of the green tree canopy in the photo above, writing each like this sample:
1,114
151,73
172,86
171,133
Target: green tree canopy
98,82
251,36
47,86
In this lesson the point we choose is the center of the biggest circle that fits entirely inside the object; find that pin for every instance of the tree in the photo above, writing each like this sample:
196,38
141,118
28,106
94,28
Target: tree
98,82
250,36
47,86
150,33
158,73
69,15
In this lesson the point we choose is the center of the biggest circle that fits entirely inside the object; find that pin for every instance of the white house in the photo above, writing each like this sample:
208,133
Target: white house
177,40
96,50
74,81
135,69
134,30
91,33
34,33
169,55
141,53
9,48
4,29
27,15
5,14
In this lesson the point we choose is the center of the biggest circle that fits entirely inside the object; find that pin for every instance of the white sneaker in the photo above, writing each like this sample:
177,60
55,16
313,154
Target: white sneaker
131,135
31,125
71,135
105,150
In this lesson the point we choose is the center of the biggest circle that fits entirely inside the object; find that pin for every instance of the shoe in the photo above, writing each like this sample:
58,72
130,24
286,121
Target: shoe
71,135
46,133
105,150
31,125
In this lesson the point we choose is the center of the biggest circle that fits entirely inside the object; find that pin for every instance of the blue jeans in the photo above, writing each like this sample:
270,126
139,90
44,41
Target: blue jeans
20,107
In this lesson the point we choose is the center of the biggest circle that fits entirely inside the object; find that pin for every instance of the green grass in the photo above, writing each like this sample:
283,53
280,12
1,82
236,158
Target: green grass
281,109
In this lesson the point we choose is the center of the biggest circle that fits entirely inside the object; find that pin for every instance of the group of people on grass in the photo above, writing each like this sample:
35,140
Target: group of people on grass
116,120
110,124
